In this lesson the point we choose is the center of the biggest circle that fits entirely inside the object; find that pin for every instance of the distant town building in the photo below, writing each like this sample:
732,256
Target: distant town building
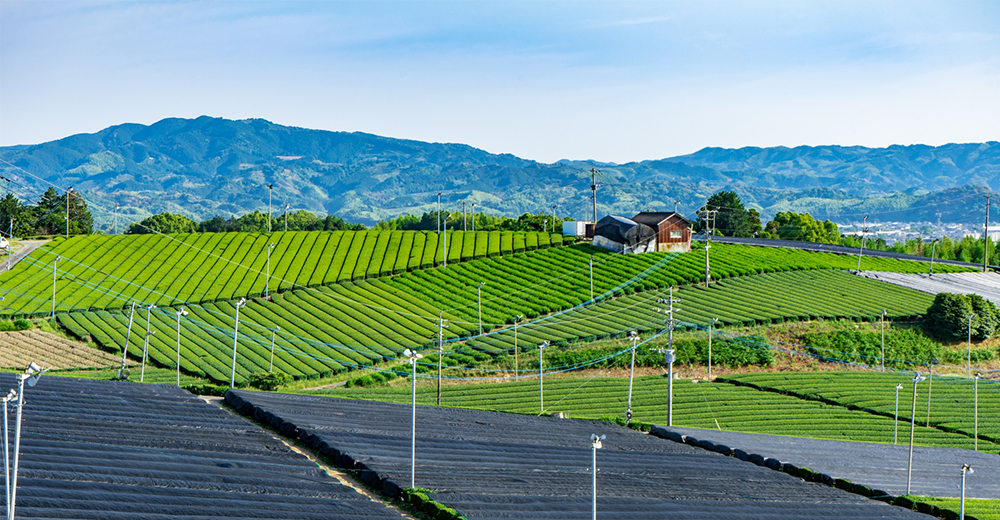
673,231
623,235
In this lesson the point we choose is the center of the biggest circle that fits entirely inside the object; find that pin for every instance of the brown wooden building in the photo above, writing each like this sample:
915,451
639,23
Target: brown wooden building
673,231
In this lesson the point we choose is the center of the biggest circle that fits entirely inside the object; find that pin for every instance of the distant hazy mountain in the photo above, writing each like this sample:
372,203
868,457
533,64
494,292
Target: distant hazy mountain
208,166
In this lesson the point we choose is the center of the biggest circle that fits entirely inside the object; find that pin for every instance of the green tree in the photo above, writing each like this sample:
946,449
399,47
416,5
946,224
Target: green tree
732,219
947,318
163,223
789,225
986,323
13,211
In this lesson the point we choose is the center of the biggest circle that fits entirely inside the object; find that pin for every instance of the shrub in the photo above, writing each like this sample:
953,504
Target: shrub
18,324
268,381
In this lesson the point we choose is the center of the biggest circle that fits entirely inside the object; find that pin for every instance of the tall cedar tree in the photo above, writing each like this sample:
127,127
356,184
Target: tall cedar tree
732,219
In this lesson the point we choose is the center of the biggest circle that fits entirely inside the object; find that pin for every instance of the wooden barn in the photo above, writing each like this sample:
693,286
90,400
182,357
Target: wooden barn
673,231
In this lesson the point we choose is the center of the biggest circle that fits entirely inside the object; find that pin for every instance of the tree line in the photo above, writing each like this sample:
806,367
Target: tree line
733,219
47,217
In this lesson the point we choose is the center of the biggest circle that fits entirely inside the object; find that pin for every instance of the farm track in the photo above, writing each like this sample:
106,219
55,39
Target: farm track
29,246
17,349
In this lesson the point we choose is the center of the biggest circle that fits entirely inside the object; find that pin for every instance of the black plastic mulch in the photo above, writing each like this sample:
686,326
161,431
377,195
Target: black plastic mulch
112,450
936,471
493,465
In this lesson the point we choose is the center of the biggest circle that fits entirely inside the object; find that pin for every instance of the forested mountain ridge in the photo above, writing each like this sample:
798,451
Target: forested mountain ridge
211,166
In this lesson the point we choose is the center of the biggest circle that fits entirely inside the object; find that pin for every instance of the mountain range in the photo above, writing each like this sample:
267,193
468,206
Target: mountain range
211,166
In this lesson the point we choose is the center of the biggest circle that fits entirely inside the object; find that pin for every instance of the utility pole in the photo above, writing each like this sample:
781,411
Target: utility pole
441,326
593,190
116,218
708,215
68,193
864,232
465,221
669,353
986,233
286,217
553,219
270,190
931,272
473,216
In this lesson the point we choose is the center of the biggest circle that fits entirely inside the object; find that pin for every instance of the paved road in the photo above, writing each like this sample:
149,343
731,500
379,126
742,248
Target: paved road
936,471
986,285
27,246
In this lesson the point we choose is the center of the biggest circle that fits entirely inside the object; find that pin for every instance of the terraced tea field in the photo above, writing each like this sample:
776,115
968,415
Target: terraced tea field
108,272
696,405
364,315
951,404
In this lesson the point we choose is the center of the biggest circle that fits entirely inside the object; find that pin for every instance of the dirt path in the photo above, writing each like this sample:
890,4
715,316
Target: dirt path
27,246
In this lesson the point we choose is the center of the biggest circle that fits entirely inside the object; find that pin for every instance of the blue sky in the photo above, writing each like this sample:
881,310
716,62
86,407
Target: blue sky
610,81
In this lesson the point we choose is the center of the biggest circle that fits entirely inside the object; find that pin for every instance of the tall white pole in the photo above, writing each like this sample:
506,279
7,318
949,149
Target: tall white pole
270,367
6,452
864,232
54,262
445,242
594,477
128,333
68,192
17,443
286,217
711,325
236,328
986,233
913,415
969,366
591,277
975,412
473,216
116,218
516,319
541,387
267,276
182,312
145,343
883,340
965,469
895,416
413,423
270,190
631,371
